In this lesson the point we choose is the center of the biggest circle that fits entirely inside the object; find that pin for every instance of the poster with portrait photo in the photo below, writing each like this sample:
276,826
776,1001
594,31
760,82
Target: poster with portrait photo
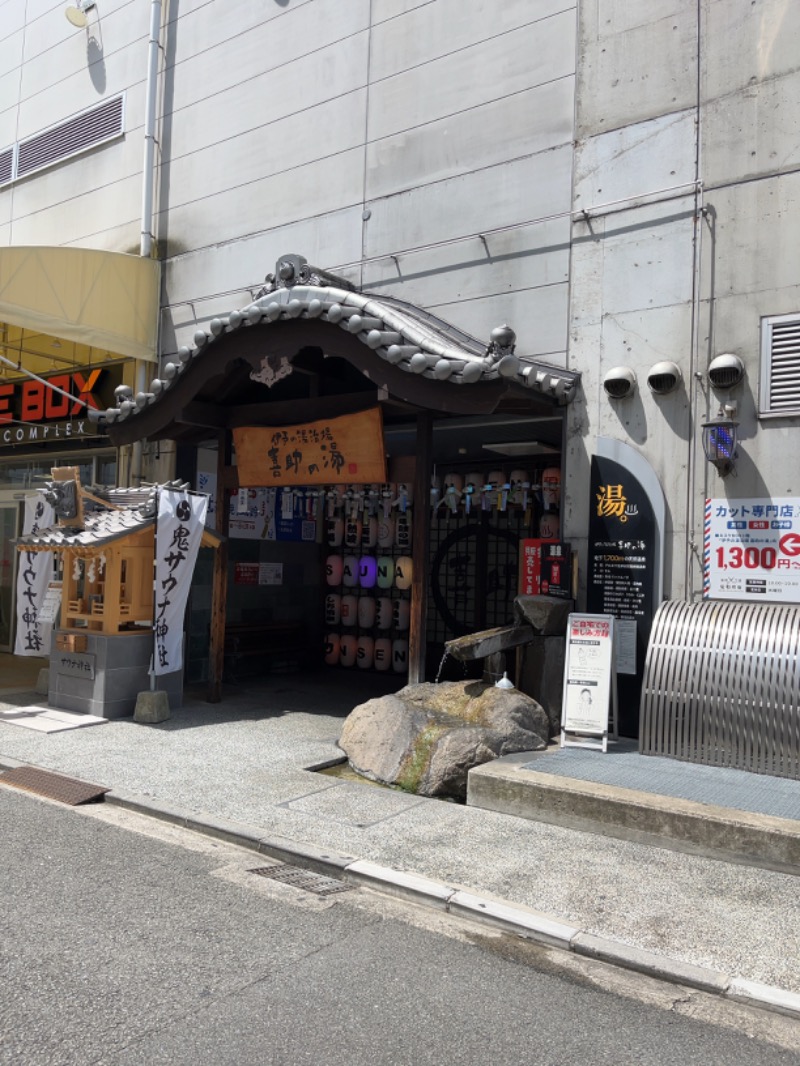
589,681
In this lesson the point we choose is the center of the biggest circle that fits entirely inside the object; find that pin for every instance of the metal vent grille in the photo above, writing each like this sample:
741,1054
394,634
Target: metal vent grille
781,364
720,686
306,880
6,166
84,131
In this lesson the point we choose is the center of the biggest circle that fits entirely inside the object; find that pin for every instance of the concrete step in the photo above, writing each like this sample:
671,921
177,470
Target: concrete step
538,786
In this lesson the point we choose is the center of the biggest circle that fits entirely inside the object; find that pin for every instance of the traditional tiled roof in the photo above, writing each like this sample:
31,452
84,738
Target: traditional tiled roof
396,332
131,510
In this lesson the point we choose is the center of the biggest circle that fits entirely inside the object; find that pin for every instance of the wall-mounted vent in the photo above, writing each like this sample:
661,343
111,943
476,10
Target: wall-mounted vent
780,365
6,165
77,134
664,377
725,371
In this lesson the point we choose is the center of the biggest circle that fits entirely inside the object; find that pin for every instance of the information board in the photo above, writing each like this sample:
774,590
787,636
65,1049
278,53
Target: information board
752,550
590,682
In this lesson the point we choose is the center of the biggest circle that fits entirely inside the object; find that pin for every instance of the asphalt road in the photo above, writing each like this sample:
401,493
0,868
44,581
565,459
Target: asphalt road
125,941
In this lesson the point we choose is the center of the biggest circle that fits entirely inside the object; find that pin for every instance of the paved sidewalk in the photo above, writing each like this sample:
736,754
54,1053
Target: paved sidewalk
246,761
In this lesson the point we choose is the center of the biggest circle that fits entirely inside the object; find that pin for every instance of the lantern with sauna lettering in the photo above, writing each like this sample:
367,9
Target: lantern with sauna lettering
348,649
334,565
350,571
332,649
402,572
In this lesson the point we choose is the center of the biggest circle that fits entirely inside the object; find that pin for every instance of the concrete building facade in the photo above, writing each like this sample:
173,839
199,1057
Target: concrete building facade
617,182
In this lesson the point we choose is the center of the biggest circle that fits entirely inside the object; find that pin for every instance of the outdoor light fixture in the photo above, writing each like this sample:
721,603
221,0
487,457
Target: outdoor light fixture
719,440
77,14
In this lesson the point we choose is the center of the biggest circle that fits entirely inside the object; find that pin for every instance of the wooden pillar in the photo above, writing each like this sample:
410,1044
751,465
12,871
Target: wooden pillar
420,544
219,585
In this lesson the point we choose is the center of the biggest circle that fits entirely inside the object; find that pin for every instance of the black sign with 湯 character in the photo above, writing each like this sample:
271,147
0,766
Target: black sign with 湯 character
623,578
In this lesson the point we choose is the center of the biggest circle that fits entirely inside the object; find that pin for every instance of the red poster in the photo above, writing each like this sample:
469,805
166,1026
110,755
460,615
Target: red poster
245,573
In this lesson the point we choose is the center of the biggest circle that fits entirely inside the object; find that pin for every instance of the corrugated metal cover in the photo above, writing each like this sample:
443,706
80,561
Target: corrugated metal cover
86,130
721,686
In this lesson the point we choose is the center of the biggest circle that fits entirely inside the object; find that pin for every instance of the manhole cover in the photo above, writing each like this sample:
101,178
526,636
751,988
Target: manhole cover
52,786
306,880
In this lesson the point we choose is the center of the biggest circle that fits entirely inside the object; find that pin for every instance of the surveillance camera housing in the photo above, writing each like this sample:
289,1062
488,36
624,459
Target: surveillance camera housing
664,377
725,371
619,382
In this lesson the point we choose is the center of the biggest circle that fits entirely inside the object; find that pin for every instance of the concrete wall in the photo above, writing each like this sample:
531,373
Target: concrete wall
665,99
356,133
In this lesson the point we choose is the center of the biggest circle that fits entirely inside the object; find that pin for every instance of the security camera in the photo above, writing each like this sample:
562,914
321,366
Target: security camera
619,382
725,371
664,377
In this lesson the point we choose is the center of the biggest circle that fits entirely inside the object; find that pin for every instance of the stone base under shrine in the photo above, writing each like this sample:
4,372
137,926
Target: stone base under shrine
106,676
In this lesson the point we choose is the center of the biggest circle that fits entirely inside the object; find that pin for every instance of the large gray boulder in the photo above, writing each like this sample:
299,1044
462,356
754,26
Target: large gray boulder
425,738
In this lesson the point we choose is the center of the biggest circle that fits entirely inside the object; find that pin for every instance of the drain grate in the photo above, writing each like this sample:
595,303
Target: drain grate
52,786
306,880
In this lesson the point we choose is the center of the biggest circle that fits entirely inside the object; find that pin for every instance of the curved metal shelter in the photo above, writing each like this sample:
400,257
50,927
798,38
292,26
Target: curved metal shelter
720,686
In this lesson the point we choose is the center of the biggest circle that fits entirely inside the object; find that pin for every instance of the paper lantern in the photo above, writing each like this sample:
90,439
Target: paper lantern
551,488
365,652
402,572
385,572
454,481
369,532
332,649
382,654
334,531
334,565
386,531
350,571
333,609
401,614
402,534
367,571
348,649
384,613
352,533
367,610
399,656
349,610
405,495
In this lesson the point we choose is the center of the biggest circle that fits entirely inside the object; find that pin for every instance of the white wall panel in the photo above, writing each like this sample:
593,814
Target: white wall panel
335,72
752,132
636,159
504,195
630,75
309,191
757,239
648,267
531,55
209,61
11,50
83,218
433,30
325,133
482,136
522,258
537,316
760,42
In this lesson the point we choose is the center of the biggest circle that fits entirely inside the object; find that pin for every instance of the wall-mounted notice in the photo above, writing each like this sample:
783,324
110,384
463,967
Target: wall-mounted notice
752,550
590,682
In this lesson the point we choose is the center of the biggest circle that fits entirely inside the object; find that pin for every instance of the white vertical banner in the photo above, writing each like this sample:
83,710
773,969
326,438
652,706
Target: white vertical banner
35,571
181,516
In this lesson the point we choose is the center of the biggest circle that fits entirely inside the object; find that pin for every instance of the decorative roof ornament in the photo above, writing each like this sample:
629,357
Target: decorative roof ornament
403,335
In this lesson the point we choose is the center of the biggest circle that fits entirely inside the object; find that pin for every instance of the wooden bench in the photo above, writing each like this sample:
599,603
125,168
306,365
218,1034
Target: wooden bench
265,645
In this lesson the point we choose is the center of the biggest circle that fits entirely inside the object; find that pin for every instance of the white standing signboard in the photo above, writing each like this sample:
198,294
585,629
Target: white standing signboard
181,515
590,682
752,550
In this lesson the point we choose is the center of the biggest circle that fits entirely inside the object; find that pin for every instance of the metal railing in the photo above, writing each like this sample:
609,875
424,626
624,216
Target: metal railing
722,686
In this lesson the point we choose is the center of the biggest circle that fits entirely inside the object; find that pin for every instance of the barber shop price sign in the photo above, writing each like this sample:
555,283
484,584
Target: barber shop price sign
752,550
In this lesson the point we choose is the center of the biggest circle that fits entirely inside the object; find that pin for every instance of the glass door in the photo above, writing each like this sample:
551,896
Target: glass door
8,531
